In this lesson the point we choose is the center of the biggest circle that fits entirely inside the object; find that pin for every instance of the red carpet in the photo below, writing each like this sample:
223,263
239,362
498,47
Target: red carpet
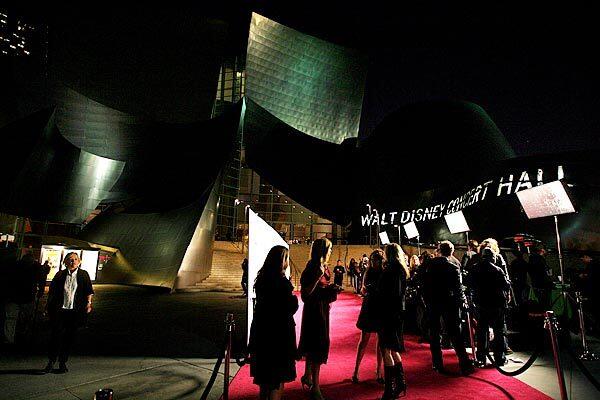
422,382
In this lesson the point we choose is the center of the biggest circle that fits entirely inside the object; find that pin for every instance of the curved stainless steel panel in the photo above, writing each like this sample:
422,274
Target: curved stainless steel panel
54,180
312,85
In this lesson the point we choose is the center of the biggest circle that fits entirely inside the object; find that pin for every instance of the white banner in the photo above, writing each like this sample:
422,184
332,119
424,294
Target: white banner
262,238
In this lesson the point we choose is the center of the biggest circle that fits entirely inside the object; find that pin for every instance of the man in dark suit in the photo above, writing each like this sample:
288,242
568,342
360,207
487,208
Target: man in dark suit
69,302
491,287
444,296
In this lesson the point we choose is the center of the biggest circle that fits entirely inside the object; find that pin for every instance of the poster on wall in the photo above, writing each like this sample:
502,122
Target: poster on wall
52,254
55,255
261,239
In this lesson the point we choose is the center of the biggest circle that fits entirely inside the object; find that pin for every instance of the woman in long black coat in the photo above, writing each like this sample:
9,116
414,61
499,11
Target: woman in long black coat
368,318
317,294
272,343
391,295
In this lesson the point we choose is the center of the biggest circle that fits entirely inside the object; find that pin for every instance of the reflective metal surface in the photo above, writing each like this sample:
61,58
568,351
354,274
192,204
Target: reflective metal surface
51,179
151,246
314,86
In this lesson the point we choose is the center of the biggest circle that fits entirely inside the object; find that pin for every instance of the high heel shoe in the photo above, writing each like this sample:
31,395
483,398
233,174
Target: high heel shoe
355,378
305,382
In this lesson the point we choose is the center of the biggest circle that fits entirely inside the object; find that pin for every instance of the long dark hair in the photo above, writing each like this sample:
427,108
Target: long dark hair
395,255
319,252
376,256
273,265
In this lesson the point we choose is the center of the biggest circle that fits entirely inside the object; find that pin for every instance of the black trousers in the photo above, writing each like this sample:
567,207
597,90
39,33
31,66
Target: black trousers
64,328
450,314
491,317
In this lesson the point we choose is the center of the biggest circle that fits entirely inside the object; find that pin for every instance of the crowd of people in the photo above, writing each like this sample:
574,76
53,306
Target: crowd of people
430,291
22,284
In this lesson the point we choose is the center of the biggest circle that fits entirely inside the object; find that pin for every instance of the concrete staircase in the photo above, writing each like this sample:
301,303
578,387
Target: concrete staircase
226,272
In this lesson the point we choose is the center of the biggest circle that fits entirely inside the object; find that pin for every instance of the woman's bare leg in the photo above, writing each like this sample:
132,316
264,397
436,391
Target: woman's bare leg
379,372
277,393
316,388
307,377
388,360
360,351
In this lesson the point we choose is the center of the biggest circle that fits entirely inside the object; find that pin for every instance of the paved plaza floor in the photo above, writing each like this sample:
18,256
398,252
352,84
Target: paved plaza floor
148,344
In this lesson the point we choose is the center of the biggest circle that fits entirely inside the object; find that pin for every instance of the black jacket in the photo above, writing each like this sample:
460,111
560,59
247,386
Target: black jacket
57,292
490,285
391,292
442,283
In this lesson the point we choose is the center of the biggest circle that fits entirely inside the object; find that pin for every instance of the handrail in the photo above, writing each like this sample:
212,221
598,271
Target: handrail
295,273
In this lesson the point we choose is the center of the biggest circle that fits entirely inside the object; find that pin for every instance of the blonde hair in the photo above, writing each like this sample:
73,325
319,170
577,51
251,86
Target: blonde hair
394,253
414,261
319,251
492,244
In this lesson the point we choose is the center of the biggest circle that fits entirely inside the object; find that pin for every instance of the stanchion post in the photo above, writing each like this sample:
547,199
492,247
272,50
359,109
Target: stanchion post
229,328
586,355
551,324
471,338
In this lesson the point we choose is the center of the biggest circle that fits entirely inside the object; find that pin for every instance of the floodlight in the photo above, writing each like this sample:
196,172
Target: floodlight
546,200
411,230
456,222
384,238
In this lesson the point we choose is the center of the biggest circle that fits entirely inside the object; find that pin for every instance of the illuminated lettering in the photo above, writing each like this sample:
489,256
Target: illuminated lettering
419,215
375,220
383,220
393,216
507,185
366,219
435,210
404,217
476,194
485,188
523,182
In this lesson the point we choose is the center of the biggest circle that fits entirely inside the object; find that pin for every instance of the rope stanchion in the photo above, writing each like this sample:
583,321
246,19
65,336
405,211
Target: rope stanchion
214,374
584,370
225,354
229,327
524,368
587,354
551,324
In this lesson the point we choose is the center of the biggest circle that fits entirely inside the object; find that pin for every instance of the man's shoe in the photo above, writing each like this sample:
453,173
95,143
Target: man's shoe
49,367
500,362
466,368
62,368
439,368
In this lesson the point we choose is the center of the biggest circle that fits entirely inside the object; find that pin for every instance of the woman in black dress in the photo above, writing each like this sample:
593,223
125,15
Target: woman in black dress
367,319
317,294
391,292
272,344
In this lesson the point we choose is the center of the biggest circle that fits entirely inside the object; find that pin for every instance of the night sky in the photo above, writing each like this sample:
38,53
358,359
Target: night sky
534,70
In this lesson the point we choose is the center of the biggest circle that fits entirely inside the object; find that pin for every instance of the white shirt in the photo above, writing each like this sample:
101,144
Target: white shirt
70,289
